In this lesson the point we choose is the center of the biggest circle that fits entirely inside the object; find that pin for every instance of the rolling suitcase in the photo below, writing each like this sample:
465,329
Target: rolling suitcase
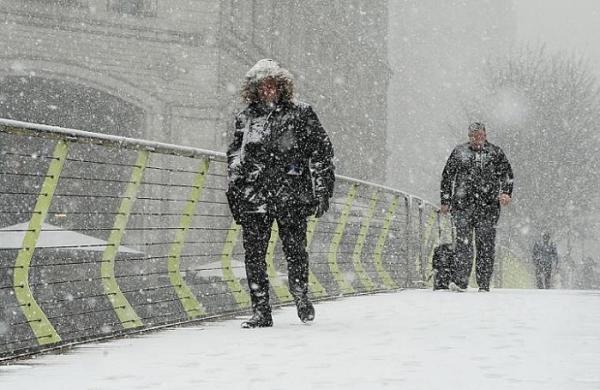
443,262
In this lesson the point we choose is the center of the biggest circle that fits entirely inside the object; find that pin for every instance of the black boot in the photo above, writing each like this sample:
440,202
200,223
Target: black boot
259,320
306,310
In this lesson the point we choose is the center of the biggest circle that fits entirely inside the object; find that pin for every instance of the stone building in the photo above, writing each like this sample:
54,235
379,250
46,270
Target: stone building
170,70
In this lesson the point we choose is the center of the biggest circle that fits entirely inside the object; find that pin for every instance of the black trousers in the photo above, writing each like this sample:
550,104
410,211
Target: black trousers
256,234
543,274
481,227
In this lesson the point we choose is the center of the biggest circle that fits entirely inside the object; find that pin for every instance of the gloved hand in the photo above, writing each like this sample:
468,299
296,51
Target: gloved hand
322,206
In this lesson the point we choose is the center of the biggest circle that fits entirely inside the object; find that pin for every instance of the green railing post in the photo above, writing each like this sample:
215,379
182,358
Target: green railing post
383,235
190,304
429,226
239,294
123,309
360,243
408,239
40,325
315,287
419,259
345,287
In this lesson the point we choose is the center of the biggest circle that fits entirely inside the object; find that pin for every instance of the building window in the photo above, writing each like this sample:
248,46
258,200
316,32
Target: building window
63,3
145,8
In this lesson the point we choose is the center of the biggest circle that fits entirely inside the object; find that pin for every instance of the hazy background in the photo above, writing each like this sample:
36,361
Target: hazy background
436,49
561,25
439,52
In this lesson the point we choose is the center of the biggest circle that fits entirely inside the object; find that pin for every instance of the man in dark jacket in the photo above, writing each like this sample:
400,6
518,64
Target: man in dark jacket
476,181
544,257
279,169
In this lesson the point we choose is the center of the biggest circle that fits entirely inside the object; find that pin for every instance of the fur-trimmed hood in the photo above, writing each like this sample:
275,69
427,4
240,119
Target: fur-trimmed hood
267,68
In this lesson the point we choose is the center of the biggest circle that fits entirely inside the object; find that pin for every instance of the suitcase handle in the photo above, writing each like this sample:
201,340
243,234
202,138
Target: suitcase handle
452,229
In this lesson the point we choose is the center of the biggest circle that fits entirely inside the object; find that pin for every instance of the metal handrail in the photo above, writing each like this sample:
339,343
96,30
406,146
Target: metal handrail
55,132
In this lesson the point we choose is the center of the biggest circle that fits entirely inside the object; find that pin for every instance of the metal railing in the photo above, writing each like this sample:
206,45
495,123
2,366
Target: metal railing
102,235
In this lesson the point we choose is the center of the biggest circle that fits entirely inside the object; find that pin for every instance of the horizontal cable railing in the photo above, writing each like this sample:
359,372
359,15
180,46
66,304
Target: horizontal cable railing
103,235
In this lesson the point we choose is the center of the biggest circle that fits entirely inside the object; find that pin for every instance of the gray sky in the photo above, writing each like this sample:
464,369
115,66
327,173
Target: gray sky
571,25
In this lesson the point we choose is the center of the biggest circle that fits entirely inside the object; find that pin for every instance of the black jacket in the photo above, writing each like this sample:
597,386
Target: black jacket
280,159
545,252
472,180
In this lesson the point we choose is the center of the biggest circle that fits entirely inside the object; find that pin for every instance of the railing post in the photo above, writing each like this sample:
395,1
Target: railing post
313,283
190,304
408,205
360,243
40,325
239,294
420,260
383,235
123,309
432,222
343,284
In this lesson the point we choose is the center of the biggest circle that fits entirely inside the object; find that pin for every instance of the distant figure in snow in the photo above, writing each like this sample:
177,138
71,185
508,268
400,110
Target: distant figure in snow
279,169
544,257
476,181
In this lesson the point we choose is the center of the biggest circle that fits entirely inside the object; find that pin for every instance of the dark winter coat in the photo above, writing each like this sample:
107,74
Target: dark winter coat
472,180
280,159
545,253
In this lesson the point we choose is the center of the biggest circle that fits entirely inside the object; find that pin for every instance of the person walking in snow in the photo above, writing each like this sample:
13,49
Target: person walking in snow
544,257
476,181
279,169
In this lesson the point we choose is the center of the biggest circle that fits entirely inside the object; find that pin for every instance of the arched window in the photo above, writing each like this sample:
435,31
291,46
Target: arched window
66,104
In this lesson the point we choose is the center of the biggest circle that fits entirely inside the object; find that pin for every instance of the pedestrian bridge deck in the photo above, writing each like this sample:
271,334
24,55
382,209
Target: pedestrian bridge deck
412,339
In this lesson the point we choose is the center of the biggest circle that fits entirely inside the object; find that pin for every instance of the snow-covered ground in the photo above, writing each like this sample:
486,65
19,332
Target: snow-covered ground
506,339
